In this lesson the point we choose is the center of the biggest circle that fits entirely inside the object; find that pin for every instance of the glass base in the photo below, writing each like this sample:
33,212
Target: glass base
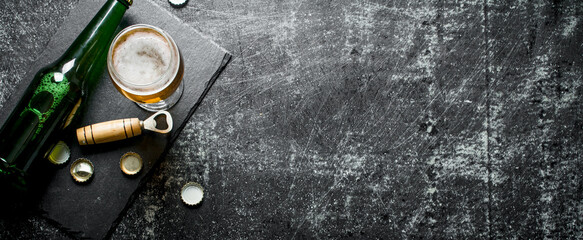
166,103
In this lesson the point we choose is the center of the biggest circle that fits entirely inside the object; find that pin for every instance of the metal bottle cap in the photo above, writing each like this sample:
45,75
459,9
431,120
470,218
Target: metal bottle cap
131,163
177,3
59,154
126,3
192,193
82,170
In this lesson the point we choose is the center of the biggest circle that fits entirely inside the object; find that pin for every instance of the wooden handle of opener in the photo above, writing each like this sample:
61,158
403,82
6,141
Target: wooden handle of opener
109,131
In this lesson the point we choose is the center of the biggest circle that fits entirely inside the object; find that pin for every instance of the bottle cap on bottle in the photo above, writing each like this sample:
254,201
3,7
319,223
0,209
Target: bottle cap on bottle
131,163
192,193
59,154
126,3
82,170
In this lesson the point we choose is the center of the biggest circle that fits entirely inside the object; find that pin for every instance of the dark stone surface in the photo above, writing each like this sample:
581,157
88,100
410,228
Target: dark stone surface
361,119
90,210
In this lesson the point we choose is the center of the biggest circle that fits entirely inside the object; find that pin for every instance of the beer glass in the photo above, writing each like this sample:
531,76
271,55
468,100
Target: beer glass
145,65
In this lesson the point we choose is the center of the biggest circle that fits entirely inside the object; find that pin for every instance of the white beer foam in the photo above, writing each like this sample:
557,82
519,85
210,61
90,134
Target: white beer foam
142,58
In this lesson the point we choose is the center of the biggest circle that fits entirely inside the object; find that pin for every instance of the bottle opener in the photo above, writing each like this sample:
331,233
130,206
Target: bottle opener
120,129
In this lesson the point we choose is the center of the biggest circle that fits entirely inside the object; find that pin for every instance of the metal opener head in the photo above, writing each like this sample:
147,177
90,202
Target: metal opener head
152,125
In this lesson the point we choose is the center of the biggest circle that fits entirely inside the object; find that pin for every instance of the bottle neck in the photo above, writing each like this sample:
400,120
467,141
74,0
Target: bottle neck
94,40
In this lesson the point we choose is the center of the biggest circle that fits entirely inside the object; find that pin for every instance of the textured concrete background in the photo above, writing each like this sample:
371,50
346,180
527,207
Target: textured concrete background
361,119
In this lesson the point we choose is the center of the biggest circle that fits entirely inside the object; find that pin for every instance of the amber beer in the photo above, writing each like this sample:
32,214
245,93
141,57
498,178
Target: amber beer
145,65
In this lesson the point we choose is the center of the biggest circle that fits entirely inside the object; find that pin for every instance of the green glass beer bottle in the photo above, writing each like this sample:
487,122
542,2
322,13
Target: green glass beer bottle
53,97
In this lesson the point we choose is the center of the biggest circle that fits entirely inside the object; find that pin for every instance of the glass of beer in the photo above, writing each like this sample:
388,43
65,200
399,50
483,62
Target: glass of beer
145,65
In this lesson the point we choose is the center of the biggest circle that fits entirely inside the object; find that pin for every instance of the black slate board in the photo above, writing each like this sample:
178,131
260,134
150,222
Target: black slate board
91,210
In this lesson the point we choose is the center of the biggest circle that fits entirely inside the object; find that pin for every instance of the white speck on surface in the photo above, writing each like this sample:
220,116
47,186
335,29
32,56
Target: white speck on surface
431,190
570,25
150,214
